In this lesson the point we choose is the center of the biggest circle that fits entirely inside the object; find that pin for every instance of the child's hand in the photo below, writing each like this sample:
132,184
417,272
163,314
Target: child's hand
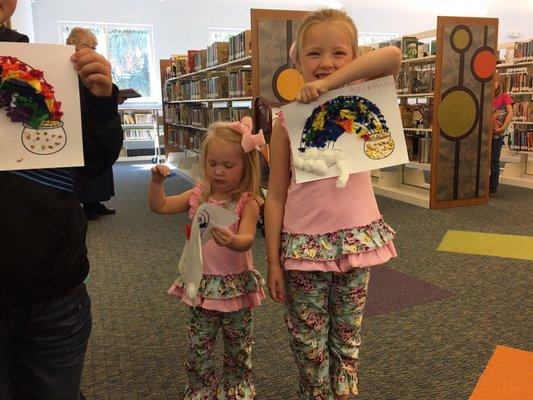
160,172
276,283
311,91
223,236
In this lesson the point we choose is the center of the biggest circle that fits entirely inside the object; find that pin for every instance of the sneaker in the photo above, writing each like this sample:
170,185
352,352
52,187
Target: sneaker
103,210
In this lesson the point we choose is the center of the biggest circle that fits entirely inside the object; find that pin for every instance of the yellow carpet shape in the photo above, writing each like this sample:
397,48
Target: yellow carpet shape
488,244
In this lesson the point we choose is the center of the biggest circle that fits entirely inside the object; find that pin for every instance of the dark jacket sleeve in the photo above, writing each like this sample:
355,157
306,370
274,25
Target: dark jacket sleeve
102,131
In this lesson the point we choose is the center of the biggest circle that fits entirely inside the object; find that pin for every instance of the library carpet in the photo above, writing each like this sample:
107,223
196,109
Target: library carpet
433,322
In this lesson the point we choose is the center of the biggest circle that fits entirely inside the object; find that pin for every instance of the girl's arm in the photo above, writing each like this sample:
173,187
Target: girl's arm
158,201
244,238
375,64
275,208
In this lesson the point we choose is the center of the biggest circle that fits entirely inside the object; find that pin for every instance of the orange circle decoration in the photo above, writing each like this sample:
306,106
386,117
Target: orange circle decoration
288,83
457,114
483,64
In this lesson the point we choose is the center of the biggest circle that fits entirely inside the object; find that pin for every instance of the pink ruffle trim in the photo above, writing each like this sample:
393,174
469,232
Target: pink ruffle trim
347,262
248,300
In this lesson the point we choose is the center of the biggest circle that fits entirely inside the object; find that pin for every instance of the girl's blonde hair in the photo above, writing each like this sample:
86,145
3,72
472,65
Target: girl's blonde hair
220,131
326,15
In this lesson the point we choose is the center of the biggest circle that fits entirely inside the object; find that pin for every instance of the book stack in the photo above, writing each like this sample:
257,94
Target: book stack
409,47
240,45
519,80
191,54
217,85
523,111
218,114
239,113
200,60
523,51
179,64
217,53
240,82
521,140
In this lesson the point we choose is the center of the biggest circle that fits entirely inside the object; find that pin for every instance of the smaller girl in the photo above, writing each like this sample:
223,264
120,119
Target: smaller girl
230,287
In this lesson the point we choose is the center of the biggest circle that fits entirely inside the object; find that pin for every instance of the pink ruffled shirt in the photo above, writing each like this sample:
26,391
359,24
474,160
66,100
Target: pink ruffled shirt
323,213
230,281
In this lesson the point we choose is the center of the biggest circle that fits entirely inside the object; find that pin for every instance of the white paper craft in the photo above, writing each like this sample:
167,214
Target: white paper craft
364,132
190,265
210,215
22,147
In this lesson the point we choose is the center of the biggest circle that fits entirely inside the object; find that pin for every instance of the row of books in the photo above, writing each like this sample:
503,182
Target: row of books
523,111
523,51
519,80
411,47
138,118
201,117
139,134
240,82
521,140
184,139
240,45
217,53
416,80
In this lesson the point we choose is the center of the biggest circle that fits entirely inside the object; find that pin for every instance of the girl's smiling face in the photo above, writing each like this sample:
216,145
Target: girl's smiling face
326,47
224,165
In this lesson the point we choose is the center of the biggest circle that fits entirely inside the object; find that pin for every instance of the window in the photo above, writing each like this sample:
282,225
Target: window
129,49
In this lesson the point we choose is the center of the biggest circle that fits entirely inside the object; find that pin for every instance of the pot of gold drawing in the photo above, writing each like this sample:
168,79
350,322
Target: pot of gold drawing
378,145
48,138
29,99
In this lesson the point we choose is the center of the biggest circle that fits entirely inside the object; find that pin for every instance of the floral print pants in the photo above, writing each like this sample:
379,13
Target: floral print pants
236,382
324,315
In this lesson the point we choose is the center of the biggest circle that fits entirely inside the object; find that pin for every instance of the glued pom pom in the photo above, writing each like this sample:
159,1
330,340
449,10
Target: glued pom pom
308,165
320,167
328,156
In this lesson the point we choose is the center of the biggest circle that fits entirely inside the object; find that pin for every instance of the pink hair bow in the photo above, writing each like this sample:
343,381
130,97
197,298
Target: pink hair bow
249,142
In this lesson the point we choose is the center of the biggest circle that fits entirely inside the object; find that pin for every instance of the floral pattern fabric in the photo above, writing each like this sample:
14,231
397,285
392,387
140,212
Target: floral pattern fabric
324,316
333,245
235,382
227,286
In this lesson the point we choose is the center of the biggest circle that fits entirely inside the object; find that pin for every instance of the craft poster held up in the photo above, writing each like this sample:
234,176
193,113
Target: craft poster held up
352,129
40,117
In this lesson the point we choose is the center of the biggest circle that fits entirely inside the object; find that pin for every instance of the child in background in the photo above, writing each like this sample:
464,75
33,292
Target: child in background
230,286
502,106
323,236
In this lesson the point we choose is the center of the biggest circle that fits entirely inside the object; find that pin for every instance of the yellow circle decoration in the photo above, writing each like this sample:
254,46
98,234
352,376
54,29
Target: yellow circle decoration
461,39
457,113
288,83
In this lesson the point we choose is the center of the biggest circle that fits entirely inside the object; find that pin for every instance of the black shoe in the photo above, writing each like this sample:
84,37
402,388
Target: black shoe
103,210
90,214
492,192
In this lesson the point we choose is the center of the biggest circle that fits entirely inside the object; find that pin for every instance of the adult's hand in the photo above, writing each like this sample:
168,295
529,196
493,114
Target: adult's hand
94,71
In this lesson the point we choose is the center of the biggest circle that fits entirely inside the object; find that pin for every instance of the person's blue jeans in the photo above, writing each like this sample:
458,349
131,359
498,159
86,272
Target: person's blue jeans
42,347
495,163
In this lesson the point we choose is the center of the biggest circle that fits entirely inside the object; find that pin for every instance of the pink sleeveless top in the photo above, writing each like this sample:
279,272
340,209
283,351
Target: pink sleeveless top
230,281
332,229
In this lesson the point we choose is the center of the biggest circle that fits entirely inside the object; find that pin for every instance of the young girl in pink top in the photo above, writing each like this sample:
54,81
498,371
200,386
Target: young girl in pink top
325,237
230,286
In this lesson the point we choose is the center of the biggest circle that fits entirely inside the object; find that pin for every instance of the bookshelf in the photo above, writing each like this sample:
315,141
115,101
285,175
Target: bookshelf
440,172
517,73
142,134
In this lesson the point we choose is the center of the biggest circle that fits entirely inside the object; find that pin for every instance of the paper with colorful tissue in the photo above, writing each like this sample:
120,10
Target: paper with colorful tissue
40,116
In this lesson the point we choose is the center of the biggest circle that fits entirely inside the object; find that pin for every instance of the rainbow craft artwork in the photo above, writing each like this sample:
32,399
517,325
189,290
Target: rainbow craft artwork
29,99
352,115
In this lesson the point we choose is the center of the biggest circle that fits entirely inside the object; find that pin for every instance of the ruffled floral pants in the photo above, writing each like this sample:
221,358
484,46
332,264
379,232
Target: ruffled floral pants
324,315
236,382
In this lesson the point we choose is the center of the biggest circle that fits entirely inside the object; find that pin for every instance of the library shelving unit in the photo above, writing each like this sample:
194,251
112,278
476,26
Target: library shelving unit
518,75
224,85
446,104
142,134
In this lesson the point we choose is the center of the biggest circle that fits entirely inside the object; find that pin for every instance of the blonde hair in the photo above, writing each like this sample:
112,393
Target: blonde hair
326,15
78,36
221,131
